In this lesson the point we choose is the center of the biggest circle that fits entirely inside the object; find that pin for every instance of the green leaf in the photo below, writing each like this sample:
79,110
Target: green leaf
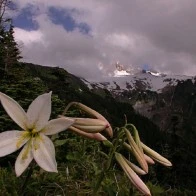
60,142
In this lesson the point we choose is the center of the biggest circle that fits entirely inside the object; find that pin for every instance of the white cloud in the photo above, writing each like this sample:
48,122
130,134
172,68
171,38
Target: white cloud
27,37
159,33
120,40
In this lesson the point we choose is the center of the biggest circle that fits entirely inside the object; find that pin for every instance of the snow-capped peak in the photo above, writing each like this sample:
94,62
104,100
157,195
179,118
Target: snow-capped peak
154,73
134,78
120,71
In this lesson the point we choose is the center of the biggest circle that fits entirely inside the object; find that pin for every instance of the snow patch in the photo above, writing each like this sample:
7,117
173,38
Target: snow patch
142,81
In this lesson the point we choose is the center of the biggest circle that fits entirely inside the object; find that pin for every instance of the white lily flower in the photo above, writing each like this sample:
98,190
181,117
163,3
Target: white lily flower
35,126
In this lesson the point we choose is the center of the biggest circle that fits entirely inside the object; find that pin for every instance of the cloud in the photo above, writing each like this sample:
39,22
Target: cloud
27,37
82,36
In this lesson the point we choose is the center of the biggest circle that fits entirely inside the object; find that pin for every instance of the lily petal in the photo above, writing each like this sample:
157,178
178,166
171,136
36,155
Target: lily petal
44,153
39,111
24,159
10,141
57,125
14,110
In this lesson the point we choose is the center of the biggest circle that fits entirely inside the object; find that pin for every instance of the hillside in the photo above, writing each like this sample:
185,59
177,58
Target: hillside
176,140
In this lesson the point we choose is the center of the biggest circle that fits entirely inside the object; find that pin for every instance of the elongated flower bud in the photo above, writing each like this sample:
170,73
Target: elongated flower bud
92,113
137,138
149,160
135,167
90,125
146,157
139,155
134,178
95,136
156,156
128,147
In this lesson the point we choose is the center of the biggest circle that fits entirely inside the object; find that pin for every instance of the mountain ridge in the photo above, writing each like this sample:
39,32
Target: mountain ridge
145,80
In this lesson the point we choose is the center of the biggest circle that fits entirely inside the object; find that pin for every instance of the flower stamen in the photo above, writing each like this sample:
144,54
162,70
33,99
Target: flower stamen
25,154
24,135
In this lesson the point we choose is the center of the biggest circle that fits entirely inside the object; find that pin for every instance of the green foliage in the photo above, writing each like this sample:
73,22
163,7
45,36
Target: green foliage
8,183
79,168
155,189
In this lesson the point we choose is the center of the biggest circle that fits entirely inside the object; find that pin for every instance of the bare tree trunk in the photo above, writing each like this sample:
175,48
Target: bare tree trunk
3,5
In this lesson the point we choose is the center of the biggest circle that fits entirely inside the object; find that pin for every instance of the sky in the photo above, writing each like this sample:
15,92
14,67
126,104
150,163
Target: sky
87,37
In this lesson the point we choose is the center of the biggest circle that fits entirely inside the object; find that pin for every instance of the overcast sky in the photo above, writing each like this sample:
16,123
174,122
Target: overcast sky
86,37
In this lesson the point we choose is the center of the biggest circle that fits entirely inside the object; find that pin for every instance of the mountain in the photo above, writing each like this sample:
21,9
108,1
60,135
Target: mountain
143,80
143,89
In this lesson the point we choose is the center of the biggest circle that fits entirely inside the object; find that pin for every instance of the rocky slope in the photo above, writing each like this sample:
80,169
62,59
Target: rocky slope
152,94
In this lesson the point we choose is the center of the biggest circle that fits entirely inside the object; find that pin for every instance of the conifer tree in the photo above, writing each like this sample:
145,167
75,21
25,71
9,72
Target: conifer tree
2,50
9,51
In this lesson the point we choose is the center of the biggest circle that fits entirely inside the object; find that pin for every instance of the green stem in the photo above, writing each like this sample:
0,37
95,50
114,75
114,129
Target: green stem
29,173
111,155
109,161
97,186
101,177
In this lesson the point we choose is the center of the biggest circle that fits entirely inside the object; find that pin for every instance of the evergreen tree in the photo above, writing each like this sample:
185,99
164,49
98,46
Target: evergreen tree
2,50
9,51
